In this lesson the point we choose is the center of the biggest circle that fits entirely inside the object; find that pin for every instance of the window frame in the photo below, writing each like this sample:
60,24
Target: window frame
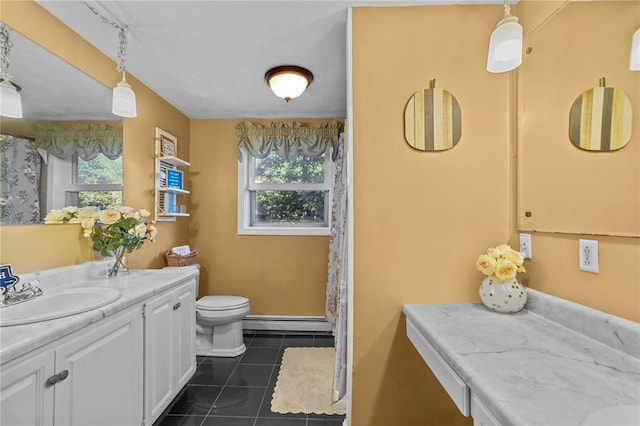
246,185
62,183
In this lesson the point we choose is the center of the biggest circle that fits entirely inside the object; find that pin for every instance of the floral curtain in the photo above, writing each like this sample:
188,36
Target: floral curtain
87,140
336,305
286,138
19,181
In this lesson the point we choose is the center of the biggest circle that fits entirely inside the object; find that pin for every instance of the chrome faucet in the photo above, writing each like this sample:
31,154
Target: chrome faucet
10,295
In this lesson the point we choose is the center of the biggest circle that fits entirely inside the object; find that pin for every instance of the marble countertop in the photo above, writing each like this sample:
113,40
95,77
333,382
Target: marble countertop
553,363
135,287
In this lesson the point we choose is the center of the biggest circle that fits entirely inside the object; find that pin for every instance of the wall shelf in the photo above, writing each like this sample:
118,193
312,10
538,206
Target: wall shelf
169,180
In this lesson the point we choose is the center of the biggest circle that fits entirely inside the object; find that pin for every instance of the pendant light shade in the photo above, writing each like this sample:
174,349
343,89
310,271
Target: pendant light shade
10,101
124,100
505,47
635,52
289,81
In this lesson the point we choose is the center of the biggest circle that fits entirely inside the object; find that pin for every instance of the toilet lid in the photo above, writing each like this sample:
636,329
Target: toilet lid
221,303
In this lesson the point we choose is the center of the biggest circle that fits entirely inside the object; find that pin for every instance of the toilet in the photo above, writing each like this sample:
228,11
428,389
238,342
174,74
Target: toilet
219,325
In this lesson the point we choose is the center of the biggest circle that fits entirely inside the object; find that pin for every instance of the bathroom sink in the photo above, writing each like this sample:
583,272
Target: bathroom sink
57,304
619,415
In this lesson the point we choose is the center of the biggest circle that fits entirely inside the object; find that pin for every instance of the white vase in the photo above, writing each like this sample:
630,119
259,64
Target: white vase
503,296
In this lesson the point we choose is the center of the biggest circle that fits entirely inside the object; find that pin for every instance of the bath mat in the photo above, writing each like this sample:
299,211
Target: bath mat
305,382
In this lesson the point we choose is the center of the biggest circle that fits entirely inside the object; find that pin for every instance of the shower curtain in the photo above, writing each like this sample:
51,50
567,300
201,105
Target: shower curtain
19,181
336,305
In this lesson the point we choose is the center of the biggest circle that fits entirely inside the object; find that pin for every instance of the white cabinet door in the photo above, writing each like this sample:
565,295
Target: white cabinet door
24,399
169,347
104,385
159,355
186,333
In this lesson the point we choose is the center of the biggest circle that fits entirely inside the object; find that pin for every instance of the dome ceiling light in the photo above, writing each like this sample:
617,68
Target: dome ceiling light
288,81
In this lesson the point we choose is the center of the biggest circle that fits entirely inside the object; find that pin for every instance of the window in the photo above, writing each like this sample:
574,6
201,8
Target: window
284,197
75,182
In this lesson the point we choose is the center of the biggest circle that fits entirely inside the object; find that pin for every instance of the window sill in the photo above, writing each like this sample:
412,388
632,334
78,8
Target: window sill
274,230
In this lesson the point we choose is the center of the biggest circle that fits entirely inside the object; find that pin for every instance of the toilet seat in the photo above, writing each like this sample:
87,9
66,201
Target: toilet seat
221,303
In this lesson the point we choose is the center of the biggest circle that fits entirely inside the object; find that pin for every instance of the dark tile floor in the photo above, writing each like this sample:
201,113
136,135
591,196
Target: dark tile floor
237,391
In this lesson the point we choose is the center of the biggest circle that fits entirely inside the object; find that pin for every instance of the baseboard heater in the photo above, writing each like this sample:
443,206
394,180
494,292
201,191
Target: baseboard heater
286,323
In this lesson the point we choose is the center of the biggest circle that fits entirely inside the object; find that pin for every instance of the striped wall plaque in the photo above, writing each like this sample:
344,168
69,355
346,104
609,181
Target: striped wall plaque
600,120
432,120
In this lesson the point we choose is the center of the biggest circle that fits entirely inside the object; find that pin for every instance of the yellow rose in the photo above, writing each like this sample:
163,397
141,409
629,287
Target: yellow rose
54,216
70,210
153,231
86,213
109,217
87,226
141,230
144,213
512,256
494,252
486,264
505,270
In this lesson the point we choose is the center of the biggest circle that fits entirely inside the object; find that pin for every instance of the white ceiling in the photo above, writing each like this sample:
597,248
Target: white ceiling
208,58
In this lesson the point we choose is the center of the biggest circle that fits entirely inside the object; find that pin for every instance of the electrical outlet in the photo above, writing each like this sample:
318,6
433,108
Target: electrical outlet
589,259
525,246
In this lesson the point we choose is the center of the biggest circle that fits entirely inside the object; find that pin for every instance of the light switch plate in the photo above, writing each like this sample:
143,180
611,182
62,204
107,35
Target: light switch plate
525,246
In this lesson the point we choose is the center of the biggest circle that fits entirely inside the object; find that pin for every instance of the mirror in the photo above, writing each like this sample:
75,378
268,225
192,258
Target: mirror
561,187
60,104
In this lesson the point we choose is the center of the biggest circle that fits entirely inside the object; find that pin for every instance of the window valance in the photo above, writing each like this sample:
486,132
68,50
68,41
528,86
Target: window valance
286,138
87,140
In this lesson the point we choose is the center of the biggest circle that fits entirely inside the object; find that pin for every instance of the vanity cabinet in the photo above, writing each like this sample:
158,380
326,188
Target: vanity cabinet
169,182
170,358
93,377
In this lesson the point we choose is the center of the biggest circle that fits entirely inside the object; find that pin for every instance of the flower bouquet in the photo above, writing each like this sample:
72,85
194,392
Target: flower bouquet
500,290
501,263
114,231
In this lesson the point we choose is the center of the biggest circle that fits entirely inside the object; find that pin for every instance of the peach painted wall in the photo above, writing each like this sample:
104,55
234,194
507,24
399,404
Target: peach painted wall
554,267
37,247
281,275
421,218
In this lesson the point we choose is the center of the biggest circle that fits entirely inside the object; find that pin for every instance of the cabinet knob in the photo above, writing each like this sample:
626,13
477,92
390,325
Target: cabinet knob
176,306
56,378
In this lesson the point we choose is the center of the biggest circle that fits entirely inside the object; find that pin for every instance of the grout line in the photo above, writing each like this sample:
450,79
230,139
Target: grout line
266,389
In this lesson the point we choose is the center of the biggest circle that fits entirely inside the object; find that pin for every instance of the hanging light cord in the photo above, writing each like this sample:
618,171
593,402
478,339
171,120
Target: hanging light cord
122,37
507,15
5,48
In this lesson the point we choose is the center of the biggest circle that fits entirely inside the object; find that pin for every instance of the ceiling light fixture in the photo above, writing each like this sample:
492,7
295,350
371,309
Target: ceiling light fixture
10,100
288,81
505,47
123,102
635,52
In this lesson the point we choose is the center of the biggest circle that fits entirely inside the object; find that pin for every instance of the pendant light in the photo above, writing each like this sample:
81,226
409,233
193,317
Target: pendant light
505,47
635,52
123,102
10,100
288,81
